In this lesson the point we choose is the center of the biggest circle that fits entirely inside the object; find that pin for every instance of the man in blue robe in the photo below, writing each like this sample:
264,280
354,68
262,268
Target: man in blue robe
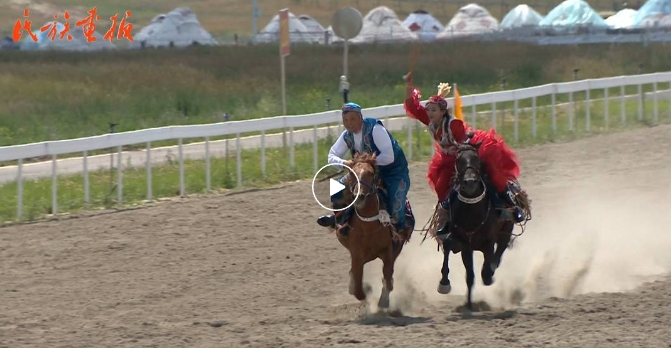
368,135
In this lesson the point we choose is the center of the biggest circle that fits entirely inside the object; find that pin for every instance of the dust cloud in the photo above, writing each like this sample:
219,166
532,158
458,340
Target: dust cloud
605,233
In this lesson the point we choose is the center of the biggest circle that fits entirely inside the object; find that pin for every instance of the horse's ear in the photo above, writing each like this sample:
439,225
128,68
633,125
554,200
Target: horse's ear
477,145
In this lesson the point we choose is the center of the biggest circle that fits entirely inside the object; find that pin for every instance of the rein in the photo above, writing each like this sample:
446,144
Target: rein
474,200
381,215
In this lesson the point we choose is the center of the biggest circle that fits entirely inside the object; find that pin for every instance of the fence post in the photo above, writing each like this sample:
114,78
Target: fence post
588,105
409,124
119,173
208,175
291,148
181,167
533,117
238,156
517,117
606,107
314,148
494,115
149,178
54,186
654,98
474,114
85,166
640,101
19,187
554,109
623,110
263,153
570,111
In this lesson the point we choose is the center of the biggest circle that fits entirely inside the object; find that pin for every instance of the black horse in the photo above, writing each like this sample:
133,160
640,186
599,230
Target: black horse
474,222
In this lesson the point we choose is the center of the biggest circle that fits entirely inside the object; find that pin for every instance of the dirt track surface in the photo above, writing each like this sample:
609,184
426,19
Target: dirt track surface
254,269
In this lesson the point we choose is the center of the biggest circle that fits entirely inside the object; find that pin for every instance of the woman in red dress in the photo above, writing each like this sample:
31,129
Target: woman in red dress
500,161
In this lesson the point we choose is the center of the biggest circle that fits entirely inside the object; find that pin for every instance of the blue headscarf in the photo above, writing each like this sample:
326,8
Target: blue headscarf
351,107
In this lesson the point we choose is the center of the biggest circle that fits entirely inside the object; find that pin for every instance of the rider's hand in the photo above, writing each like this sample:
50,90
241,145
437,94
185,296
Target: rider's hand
348,163
408,78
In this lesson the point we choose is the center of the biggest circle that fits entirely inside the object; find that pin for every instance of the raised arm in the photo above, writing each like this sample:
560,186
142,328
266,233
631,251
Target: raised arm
411,104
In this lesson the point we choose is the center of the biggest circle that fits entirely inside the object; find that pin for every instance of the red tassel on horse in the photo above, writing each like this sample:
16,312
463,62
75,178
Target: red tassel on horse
500,161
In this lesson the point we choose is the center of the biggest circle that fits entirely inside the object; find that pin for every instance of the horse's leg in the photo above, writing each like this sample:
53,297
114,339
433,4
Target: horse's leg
444,286
502,242
356,277
388,280
467,258
488,268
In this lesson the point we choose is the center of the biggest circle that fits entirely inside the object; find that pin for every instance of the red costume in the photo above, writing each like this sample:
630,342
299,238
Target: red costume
500,161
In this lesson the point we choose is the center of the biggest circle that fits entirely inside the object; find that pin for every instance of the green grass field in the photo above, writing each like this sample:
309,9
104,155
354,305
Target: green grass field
165,178
61,95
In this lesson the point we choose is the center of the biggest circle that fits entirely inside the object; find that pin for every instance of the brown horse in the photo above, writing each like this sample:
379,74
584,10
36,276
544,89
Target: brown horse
371,236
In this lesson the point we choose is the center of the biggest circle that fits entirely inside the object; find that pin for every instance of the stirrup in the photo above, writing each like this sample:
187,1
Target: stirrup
344,230
518,214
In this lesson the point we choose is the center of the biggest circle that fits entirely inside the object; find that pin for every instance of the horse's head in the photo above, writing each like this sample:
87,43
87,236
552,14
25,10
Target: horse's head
364,167
469,170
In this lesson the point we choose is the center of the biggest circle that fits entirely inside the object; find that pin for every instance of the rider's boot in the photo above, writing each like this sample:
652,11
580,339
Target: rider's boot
443,225
330,220
507,197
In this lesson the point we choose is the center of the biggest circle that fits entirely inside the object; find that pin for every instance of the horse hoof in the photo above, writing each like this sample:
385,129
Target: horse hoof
488,281
384,302
493,266
444,289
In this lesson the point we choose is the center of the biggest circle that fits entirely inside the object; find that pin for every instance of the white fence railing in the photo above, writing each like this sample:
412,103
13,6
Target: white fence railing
236,128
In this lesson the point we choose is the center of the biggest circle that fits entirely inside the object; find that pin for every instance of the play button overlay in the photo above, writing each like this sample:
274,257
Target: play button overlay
335,187
324,187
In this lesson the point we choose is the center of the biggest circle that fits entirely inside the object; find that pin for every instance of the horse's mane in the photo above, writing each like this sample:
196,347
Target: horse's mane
468,147
367,158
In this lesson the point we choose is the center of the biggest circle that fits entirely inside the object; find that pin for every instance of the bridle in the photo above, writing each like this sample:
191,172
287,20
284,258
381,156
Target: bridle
460,177
470,201
381,215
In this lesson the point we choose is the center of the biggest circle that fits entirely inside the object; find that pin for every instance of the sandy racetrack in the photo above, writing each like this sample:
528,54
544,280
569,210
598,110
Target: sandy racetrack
254,269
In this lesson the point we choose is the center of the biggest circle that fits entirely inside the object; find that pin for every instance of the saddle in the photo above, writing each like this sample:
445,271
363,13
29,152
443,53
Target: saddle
404,235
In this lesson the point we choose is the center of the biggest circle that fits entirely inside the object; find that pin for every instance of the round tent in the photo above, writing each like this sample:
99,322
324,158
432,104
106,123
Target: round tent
314,28
298,31
177,28
571,15
471,19
423,24
521,16
654,13
382,25
623,19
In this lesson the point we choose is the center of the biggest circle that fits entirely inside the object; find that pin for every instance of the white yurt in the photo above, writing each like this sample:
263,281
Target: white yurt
382,25
315,29
571,15
623,19
471,19
654,13
298,31
521,16
423,24
177,28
